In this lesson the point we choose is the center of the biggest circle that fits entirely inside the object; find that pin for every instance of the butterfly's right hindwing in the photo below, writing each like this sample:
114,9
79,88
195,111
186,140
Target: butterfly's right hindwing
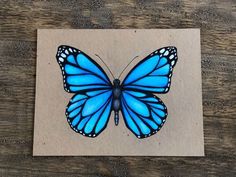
144,114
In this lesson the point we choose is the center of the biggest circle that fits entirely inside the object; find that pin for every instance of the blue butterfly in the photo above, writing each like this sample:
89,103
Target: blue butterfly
96,97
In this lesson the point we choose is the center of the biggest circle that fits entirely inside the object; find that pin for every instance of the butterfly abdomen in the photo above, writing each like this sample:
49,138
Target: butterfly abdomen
116,99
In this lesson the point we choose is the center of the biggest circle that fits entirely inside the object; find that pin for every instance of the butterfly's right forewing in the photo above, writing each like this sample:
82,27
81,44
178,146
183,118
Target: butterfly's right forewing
153,73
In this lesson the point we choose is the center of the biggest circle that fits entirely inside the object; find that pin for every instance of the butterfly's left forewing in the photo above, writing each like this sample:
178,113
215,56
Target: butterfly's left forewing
80,72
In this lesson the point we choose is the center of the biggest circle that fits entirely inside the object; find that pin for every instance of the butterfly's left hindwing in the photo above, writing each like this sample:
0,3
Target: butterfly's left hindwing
144,114
80,72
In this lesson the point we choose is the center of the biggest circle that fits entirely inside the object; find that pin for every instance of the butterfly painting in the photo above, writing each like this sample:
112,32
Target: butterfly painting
95,96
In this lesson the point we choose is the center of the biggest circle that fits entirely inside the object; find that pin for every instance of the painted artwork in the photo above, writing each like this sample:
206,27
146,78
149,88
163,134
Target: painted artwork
118,92
96,97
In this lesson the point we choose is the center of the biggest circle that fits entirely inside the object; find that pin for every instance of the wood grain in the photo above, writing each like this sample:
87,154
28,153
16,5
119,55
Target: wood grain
18,23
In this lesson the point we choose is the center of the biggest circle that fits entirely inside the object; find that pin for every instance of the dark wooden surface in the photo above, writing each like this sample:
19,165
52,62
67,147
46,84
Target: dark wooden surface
18,23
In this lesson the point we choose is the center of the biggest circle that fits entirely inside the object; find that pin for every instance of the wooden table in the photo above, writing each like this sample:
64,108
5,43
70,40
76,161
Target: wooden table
18,23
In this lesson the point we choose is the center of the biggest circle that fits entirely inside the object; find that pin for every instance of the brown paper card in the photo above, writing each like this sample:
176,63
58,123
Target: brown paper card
181,135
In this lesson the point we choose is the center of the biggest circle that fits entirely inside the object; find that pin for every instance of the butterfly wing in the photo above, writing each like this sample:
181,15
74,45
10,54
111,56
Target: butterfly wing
144,113
89,109
80,72
153,73
88,113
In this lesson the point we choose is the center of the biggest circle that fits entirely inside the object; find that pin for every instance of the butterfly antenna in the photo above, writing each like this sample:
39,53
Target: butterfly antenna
105,65
128,65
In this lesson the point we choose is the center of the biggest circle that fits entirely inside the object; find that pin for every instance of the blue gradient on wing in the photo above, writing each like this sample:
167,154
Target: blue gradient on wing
136,105
162,62
144,114
162,71
159,106
84,80
75,105
71,59
159,112
78,97
151,123
93,93
156,118
150,89
137,94
76,120
93,120
82,123
143,127
89,114
85,63
69,69
153,81
142,70
93,104
74,113
87,87
103,119
129,121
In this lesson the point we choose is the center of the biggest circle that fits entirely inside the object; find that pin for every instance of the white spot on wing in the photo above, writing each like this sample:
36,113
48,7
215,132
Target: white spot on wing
162,50
172,56
166,53
61,59
63,55
172,62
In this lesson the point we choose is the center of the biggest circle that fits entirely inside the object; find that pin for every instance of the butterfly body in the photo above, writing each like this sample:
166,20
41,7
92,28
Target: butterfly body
95,97
116,91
